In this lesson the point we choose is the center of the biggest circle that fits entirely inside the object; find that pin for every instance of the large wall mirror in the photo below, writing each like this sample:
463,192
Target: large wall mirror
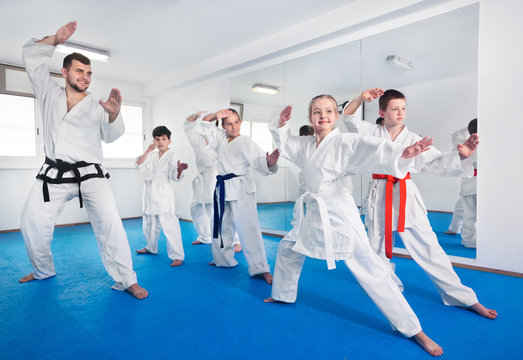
441,91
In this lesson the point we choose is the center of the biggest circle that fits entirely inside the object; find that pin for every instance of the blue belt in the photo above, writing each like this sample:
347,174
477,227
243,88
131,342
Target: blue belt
218,215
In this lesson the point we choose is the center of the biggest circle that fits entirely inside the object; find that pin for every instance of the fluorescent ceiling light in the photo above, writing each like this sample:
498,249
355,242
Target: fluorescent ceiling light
265,89
91,53
400,62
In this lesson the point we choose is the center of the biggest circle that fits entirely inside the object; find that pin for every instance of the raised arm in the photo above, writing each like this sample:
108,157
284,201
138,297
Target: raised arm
142,158
368,96
61,36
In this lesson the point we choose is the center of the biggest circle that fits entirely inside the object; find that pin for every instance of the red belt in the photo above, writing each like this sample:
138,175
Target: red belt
388,208
475,172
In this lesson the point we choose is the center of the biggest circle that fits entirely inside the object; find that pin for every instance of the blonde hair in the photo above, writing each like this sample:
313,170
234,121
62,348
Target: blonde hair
323,96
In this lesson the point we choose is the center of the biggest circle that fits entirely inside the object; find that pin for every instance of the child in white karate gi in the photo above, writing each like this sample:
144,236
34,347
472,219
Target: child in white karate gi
331,227
456,223
203,183
235,201
161,169
396,204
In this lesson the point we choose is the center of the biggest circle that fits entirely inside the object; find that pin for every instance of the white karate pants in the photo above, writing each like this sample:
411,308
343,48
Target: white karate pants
370,272
422,244
203,218
457,217
241,216
38,219
468,232
152,228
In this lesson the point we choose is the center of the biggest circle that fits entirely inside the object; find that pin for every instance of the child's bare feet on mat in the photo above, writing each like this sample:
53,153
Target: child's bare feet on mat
483,311
449,232
267,277
144,251
27,278
428,344
237,248
212,263
137,291
196,242
177,262
271,300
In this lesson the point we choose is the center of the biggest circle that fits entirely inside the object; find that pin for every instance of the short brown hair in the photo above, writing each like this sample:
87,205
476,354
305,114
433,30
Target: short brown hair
68,60
389,95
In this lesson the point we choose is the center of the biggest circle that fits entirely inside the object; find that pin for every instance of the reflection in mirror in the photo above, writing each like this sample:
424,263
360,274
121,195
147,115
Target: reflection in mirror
441,93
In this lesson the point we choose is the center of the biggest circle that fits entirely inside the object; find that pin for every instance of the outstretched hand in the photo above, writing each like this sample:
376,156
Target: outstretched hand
272,158
65,32
371,94
113,104
469,147
417,148
285,115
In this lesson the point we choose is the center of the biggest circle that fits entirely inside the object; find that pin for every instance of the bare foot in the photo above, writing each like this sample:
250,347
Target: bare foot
196,242
27,278
137,291
267,277
212,263
448,232
271,300
177,262
237,248
144,251
428,344
483,311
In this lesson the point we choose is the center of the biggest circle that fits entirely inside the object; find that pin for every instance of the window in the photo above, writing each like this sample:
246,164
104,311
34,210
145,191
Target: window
17,126
130,144
259,133
21,143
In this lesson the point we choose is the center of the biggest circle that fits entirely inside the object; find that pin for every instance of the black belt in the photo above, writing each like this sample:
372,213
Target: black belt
64,167
218,216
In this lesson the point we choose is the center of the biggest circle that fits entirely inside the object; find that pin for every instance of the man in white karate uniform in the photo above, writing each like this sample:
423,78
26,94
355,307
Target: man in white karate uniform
74,124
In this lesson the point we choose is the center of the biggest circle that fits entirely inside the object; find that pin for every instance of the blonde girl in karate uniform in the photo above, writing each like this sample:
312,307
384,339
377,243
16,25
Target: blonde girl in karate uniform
331,227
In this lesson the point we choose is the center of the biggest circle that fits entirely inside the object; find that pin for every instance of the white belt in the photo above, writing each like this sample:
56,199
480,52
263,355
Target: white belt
325,222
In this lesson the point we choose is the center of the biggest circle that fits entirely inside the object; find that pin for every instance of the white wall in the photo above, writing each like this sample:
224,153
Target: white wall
500,239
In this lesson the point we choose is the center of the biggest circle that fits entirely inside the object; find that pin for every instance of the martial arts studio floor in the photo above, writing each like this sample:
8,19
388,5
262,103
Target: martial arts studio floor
200,312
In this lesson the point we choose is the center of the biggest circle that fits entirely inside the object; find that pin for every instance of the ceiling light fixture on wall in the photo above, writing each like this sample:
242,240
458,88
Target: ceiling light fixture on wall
91,53
400,62
265,89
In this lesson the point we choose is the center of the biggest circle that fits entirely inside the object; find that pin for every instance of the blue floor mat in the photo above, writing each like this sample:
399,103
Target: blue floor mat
198,311
278,217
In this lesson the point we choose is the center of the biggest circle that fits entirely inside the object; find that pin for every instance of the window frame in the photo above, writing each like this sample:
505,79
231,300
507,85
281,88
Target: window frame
36,161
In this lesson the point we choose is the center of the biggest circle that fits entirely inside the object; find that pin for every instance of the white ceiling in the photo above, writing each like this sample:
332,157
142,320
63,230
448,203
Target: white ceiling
149,39
164,40
440,47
